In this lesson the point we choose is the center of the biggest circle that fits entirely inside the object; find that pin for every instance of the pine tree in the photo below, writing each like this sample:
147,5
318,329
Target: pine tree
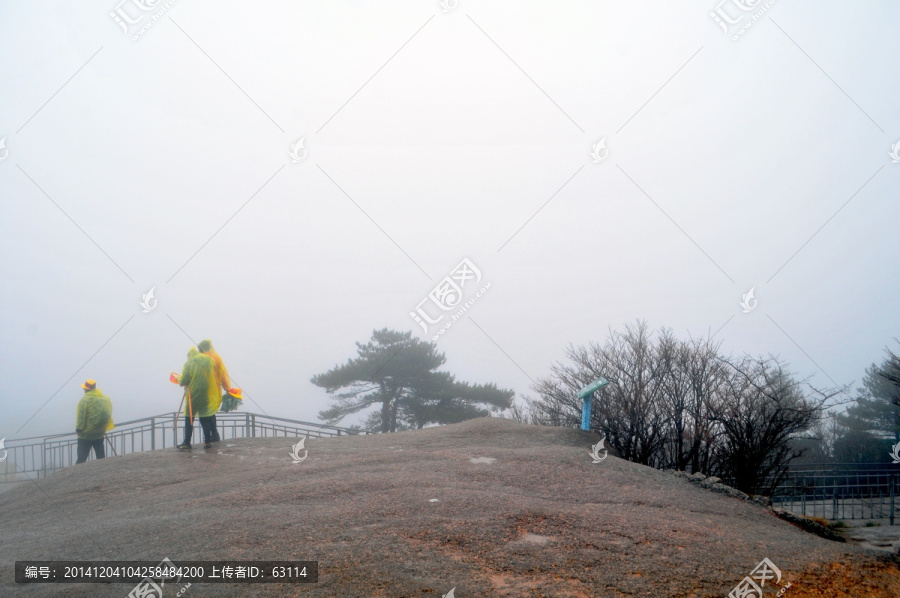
399,373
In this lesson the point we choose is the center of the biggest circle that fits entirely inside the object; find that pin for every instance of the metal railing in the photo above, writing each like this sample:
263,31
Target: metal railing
40,456
851,467
858,493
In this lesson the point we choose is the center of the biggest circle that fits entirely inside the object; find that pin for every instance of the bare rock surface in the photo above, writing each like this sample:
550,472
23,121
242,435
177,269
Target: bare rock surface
489,507
877,534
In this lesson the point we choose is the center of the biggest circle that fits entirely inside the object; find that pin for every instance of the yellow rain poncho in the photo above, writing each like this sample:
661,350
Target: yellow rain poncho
199,376
206,347
94,415
220,371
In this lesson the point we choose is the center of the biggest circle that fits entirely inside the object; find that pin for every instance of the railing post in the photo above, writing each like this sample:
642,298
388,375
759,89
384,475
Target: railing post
253,425
152,434
44,457
892,499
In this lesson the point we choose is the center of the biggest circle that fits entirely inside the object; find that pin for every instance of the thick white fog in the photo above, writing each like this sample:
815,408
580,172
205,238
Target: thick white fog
160,157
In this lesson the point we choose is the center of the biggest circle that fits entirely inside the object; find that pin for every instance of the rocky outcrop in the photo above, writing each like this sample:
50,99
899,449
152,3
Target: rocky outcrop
809,525
715,484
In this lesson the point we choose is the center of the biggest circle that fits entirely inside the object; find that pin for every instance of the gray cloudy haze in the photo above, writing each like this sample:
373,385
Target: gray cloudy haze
139,157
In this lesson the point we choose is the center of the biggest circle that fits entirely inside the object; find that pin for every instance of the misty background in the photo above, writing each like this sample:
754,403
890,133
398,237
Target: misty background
164,162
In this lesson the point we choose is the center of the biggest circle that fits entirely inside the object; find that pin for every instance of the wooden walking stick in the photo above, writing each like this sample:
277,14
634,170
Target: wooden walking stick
187,393
174,379
177,413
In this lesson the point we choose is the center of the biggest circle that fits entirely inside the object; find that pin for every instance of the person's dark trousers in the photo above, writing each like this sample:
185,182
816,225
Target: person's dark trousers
84,449
188,430
215,430
209,428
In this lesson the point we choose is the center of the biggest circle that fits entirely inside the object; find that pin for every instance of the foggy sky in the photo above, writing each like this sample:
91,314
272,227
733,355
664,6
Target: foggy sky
163,162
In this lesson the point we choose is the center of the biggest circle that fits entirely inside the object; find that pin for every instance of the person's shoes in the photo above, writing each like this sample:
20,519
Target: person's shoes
184,446
207,445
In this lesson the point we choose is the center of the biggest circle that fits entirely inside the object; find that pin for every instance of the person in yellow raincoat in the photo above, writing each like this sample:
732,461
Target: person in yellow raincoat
93,418
221,375
203,398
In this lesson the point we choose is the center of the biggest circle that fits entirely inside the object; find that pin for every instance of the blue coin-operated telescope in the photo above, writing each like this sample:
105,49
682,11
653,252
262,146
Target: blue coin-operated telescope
585,394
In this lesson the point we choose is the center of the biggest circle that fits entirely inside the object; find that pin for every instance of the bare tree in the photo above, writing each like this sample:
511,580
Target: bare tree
558,405
679,404
673,356
763,409
525,414
707,377
630,411
691,384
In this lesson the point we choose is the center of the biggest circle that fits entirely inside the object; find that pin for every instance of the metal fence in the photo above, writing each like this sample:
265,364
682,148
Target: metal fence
858,492
40,456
